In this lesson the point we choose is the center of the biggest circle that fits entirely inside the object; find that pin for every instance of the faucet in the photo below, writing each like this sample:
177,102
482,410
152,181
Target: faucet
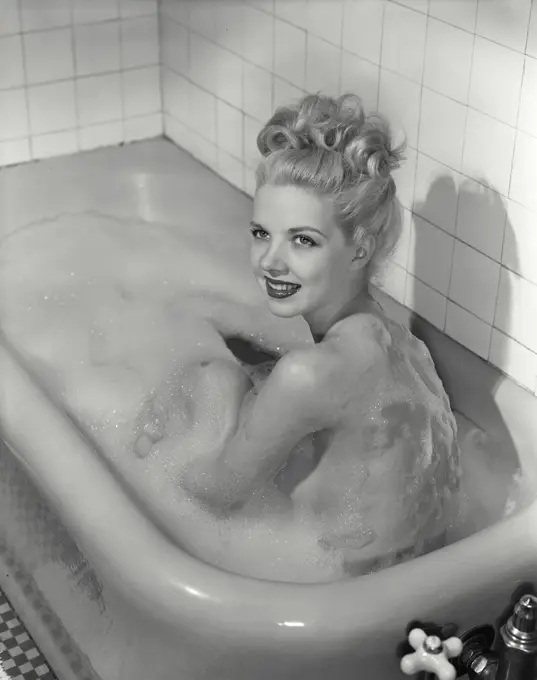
473,654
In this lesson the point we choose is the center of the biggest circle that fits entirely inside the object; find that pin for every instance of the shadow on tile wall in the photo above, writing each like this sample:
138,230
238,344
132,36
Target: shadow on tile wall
461,285
475,302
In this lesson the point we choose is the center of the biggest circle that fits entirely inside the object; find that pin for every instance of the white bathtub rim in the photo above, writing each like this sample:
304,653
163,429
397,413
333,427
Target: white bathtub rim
172,586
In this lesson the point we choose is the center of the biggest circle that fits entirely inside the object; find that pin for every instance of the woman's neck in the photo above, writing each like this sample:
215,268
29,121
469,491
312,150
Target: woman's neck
324,319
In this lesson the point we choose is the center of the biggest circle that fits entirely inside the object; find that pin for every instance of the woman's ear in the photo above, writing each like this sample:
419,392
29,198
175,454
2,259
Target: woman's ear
364,252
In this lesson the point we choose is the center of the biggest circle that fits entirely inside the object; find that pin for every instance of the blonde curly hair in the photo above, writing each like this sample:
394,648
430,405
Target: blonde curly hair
330,146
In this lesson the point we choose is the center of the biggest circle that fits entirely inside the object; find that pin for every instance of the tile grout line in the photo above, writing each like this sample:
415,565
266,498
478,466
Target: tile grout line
85,76
160,25
121,76
382,20
415,169
75,87
26,93
48,29
533,8
340,66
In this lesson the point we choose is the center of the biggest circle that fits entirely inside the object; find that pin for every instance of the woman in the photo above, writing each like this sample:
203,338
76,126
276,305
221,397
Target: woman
383,472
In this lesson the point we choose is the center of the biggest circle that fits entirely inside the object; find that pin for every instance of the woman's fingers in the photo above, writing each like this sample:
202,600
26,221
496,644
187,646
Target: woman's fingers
149,428
143,445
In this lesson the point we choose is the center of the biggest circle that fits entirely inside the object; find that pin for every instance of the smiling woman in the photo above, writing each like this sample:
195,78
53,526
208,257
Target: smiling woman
300,247
380,478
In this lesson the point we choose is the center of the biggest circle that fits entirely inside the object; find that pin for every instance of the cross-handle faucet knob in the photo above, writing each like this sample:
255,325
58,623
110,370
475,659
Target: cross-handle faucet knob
431,655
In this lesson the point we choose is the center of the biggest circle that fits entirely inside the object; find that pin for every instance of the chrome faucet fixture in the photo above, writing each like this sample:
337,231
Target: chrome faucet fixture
474,655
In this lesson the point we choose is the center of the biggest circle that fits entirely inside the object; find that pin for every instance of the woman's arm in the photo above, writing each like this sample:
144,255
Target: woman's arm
290,405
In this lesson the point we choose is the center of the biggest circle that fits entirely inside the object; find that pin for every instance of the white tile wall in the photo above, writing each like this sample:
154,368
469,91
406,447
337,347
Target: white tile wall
426,301
52,107
448,60
527,114
290,52
488,150
229,129
362,29
531,44
141,92
467,329
400,99
474,281
9,18
436,194
325,20
496,69
524,171
94,12
442,127
48,55
257,91
481,219
323,66
431,255
99,99
459,14
11,62
15,151
139,42
393,281
457,78
258,38
76,75
14,115
107,57
403,42
360,75
504,21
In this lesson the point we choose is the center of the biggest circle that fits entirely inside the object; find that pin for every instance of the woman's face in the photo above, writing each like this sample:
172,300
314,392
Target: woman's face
299,255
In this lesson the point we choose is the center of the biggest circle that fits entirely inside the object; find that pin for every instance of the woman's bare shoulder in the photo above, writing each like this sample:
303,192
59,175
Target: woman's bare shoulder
356,346
306,368
366,326
362,339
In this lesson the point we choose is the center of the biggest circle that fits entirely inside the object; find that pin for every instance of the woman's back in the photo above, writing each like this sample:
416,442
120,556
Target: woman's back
387,481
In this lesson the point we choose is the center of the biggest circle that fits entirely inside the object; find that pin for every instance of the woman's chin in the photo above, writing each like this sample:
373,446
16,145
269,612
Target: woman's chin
283,310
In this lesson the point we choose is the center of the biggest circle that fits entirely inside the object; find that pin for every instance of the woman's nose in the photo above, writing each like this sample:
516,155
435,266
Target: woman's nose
272,261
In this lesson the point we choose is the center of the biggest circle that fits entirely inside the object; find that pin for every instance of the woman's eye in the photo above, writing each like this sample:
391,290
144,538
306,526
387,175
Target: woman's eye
305,241
258,233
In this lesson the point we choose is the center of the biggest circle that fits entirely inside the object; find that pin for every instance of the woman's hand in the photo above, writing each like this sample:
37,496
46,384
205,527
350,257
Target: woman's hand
149,427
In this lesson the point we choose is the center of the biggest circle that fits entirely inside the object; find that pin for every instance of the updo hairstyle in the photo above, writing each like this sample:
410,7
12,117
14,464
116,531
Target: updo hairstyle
333,148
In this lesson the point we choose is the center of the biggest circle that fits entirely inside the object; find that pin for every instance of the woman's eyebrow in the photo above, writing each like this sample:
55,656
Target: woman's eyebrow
294,230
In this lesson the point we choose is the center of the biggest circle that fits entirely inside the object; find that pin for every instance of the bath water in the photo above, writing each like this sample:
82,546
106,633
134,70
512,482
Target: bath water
109,314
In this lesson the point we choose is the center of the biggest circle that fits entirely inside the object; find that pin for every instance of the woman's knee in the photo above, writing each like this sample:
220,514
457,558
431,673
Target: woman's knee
223,376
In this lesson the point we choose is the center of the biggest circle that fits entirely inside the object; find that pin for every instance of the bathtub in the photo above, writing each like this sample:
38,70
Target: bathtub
104,592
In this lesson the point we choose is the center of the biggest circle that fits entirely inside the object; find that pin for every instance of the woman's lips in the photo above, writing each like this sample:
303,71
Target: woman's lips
280,289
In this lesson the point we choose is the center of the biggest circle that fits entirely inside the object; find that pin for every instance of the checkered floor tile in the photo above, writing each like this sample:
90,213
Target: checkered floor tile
19,657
